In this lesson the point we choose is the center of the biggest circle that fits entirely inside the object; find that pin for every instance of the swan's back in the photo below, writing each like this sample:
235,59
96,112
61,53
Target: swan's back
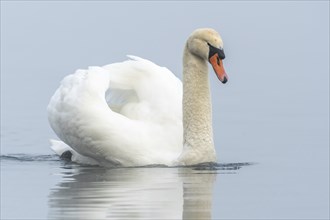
127,113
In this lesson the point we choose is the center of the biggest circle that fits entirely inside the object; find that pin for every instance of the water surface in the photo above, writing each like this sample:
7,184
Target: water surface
92,192
43,186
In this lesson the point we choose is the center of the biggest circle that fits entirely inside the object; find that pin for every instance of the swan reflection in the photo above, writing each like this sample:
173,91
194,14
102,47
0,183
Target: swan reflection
132,193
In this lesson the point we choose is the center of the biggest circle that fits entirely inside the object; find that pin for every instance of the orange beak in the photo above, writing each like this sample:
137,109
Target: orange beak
217,65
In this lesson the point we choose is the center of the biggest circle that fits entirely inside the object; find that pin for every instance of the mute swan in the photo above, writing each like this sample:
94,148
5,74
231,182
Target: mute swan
136,113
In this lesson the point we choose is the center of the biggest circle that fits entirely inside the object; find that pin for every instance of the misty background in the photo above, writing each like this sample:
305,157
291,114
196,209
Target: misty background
274,110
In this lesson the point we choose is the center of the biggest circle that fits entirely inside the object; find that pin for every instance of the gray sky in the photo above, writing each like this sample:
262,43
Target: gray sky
277,59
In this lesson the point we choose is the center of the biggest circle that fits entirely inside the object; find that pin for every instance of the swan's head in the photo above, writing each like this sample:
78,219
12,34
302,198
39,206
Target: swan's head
207,44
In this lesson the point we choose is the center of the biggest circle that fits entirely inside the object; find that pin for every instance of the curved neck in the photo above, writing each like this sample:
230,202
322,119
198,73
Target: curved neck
197,112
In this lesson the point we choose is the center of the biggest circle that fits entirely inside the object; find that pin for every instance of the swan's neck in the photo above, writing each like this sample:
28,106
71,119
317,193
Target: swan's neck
197,112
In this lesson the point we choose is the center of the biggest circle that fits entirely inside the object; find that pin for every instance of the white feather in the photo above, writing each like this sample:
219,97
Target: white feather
124,113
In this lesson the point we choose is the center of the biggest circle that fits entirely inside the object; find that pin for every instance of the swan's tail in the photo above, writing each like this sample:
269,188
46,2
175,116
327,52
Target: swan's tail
66,152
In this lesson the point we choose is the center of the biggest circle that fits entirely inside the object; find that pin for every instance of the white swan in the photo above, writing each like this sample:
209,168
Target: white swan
133,113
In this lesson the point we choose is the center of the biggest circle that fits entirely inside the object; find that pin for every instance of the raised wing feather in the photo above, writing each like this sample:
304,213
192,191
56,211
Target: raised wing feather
110,113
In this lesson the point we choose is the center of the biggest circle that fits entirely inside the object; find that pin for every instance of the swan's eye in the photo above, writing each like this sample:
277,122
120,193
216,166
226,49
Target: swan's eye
214,50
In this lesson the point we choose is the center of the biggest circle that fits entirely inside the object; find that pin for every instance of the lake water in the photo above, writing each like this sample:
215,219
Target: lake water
58,190
43,187
271,120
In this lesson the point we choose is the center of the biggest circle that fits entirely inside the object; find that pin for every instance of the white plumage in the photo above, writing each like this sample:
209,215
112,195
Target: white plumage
143,124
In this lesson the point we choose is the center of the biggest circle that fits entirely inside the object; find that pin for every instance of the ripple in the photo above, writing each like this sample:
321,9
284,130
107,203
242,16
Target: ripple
220,166
29,158
53,157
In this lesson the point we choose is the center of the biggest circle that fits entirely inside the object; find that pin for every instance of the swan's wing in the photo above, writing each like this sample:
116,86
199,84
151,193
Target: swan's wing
142,90
143,124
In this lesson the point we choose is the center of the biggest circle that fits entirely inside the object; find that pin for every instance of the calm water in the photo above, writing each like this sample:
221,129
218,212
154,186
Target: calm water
42,186
76,192
273,112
